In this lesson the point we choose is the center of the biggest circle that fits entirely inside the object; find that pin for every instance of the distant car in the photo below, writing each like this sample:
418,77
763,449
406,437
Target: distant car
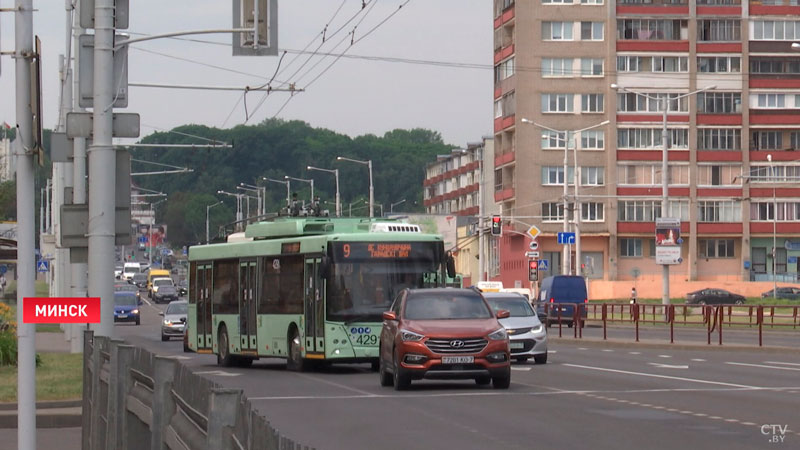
789,293
710,296
142,246
126,307
527,334
140,281
174,320
124,287
158,283
165,294
118,271
183,287
443,334
129,269
567,289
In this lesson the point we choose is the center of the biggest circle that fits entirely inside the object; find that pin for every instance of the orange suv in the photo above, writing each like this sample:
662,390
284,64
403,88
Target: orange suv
443,334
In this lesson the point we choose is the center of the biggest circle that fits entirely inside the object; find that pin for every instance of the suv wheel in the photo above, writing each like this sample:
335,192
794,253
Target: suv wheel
502,381
540,359
483,381
386,378
401,380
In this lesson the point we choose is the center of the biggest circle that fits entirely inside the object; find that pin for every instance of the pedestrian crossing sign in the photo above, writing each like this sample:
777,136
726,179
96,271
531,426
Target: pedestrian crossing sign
43,265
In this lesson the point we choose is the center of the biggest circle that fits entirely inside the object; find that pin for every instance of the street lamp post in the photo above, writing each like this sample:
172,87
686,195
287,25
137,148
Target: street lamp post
288,189
664,105
238,206
304,180
208,208
262,196
774,228
391,206
150,239
368,163
350,207
335,172
570,136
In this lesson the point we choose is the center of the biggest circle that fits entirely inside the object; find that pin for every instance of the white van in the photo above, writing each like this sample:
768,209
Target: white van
522,291
129,269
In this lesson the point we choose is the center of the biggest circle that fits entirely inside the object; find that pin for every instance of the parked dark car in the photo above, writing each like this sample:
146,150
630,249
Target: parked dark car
711,296
443,334
789,293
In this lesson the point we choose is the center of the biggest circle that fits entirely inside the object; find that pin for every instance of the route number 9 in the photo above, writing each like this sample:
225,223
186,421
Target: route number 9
346,249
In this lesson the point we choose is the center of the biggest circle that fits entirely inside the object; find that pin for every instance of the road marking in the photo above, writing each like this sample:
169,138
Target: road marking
634,353
336,384
652,375
784,363
522,369
608,350
217,373
668,366
761,365
178,357
698,360
582,348
664,356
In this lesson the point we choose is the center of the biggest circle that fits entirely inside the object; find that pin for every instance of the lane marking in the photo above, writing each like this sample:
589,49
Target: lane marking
664,356
634,353
763,366
351,389
784,363
698,360
652,375
668,366
582,348
522,369
219,373
607,350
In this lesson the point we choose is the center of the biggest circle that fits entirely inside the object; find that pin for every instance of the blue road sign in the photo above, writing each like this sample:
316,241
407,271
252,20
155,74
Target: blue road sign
793,260
566,238
3,269
142,238
165,251
544,264
43,265
185,250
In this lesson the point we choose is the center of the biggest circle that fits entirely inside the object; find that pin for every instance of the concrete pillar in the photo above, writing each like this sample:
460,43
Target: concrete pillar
223,405
163,403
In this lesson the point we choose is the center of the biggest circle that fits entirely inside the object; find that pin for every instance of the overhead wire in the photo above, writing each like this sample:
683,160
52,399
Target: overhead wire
215,141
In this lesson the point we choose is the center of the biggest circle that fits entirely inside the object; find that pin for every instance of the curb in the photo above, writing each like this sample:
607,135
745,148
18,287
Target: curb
56,414
593,342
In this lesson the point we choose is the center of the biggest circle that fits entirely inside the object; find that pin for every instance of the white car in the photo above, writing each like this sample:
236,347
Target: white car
130,269
526,333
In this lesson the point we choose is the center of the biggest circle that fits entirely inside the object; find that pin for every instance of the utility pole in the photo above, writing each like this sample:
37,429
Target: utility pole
481,241
102,160
26,333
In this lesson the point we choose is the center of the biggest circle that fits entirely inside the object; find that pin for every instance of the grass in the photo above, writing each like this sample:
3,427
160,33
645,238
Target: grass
40,327
60,377
41,289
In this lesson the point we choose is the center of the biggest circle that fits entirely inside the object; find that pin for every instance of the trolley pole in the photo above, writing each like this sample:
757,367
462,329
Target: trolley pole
102,176
26,333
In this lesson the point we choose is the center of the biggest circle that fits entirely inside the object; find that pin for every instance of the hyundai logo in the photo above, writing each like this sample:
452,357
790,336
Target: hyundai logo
456,344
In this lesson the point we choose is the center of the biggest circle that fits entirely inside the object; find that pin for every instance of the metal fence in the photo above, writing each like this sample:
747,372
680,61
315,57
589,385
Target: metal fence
133,399
712,318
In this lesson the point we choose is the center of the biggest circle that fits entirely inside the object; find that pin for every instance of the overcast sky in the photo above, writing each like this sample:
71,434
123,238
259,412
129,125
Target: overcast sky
355,96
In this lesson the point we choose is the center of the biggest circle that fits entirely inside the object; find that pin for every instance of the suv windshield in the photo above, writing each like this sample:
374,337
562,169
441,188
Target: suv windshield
517,306
445,306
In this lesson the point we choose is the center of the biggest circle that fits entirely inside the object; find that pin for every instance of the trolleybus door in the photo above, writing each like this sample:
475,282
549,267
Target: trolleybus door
204,323
247,305
314,307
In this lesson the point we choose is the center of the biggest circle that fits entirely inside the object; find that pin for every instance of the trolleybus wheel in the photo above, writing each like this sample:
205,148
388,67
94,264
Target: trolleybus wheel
224,357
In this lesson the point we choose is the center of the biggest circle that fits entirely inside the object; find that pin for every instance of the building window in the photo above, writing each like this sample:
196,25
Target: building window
774,66
670,63
652,29
718,175
591,31
719,102
767,140
650,174
556,2
775,30
592,212
719,139
716,248
630,102
557,31
556,67
591,2
592,103
639,210
647,138
591,67
628,63
679,209
557,103
770,174
504,70
554,139
719,30
593,176
552,212
771,101
592,140
554,175
630,248
794,138
719,211
505,106
719,64
765,211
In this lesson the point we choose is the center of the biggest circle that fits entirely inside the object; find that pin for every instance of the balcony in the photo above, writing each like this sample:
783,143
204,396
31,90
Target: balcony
504,158
653,7
774,7
719,7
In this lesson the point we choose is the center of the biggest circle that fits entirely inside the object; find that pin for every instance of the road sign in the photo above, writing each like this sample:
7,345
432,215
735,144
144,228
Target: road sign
165,251
185,250
534,232
532,254
533,245
3,269
566,238
544,264
43,265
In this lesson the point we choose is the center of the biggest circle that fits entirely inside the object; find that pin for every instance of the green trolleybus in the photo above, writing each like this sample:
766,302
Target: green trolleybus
306,289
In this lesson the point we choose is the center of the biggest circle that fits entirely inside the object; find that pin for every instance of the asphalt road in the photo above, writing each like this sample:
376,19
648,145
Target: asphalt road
585,397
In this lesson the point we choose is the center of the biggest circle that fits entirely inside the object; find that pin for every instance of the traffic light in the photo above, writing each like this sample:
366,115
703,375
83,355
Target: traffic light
497,226
533,270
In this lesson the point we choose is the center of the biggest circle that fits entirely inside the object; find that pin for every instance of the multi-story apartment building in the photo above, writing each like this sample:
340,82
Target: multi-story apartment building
452,182
732,147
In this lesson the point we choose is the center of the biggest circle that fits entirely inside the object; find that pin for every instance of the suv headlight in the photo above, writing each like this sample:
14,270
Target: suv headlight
410,336
498,335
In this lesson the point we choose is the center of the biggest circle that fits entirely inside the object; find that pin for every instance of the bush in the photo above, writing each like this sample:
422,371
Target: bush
8,338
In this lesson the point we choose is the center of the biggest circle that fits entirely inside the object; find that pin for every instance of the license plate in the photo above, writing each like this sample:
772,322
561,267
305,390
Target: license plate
457,359
122,316
516,345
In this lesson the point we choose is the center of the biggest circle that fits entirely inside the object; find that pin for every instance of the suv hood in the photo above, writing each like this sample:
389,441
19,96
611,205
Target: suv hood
520,322
449,328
